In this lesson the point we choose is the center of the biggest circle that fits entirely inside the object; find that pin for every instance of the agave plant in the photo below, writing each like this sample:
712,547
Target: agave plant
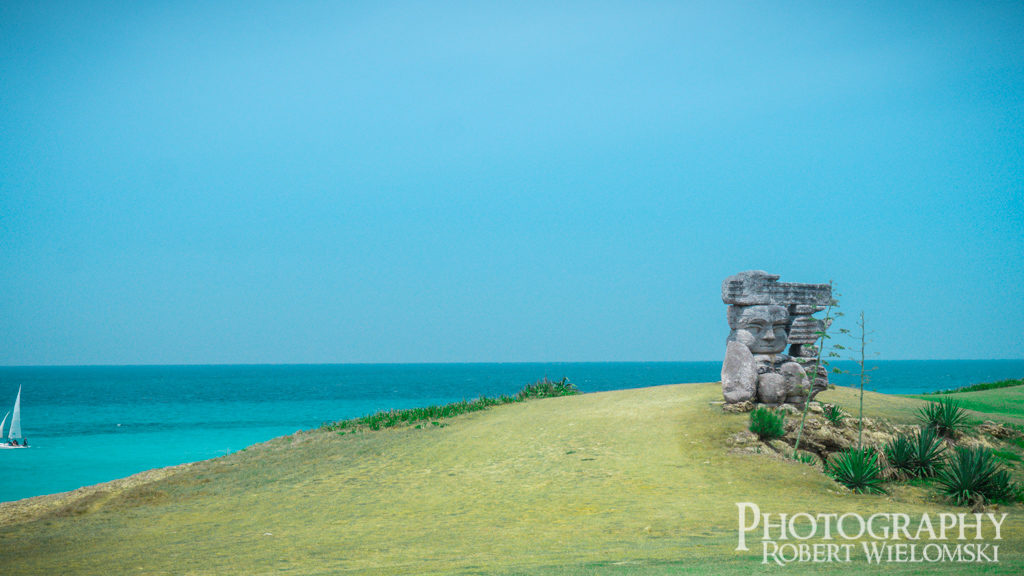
834,413
857,469
901,456
947,416
928,453
973,476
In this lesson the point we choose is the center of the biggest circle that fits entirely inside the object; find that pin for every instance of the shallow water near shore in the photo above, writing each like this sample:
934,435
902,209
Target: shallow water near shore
93,424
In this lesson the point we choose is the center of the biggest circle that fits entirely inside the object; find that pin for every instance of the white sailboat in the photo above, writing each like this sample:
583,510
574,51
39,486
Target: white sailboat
15,433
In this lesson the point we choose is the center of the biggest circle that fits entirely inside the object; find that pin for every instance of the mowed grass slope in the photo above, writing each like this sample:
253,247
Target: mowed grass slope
625,482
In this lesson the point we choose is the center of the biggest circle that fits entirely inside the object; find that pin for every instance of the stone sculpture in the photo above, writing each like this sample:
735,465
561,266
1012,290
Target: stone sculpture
764,317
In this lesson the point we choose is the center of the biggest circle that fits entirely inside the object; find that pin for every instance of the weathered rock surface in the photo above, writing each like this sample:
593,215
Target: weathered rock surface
739,374
765,316
738,407
771,388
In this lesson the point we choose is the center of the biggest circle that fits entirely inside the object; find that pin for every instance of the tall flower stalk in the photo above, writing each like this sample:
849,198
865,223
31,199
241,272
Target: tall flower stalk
833,302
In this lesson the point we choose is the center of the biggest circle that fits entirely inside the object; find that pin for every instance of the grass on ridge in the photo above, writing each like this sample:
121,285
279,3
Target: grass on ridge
979,387
627,482
391,418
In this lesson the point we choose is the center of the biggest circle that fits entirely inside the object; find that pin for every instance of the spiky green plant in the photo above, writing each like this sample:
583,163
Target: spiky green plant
767,424
834,414
947,416
929,450
901,456
857,469
972,476
917,455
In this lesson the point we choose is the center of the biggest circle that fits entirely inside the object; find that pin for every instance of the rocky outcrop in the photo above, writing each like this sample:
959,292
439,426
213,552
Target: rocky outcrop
765,316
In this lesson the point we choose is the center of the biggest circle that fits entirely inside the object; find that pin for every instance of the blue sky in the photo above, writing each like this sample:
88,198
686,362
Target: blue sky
257,182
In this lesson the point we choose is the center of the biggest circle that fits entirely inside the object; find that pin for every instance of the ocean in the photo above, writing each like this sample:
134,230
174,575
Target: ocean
93,424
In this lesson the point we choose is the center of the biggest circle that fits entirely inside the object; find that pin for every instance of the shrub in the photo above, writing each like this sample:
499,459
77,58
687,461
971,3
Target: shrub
928,452
972,476
857,469
546,388
901,456
947,416
834,414
767,424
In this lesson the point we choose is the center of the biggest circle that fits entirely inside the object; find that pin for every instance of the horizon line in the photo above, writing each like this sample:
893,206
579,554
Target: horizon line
443,363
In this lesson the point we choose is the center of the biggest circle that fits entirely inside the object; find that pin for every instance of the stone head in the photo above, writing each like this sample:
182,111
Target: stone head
761,328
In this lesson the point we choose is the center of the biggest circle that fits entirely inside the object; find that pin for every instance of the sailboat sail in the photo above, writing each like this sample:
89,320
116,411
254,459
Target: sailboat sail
2,424
16,420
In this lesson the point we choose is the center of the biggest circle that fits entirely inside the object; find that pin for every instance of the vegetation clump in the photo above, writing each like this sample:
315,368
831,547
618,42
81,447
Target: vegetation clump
834,414
929,451
916,456
857,469
546,389
947,416
983,386
392,418
767,424
973,477
901,456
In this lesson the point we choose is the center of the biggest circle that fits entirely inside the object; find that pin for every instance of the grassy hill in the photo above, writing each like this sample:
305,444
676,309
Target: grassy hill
626,482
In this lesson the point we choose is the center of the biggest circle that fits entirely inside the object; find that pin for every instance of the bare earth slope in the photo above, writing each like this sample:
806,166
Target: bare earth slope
625,482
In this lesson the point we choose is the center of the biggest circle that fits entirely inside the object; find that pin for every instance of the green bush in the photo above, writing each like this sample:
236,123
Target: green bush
928,453
767,424
834,414
901,455
947,416
546,389
916,456
857,469
972,476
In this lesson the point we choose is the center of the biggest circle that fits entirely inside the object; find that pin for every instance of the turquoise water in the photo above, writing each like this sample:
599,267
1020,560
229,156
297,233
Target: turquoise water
93,424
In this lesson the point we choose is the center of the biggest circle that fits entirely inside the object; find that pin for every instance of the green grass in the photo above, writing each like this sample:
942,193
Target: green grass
982,386
1008,402
615,483
392,418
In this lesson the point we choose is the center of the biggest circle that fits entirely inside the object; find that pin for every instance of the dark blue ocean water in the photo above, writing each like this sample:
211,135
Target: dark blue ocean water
93,424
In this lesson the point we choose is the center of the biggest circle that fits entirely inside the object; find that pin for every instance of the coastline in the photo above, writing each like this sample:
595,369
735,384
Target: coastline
640,477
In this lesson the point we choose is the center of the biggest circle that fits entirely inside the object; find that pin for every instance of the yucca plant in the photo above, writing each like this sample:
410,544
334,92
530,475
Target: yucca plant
929,450
947,416
857,469
972,476
901,456
834,414
767,424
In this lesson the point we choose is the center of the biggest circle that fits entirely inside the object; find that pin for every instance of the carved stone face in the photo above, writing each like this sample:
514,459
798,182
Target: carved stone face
760,328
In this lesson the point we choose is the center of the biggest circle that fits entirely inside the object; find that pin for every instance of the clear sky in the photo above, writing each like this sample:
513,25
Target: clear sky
292,182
